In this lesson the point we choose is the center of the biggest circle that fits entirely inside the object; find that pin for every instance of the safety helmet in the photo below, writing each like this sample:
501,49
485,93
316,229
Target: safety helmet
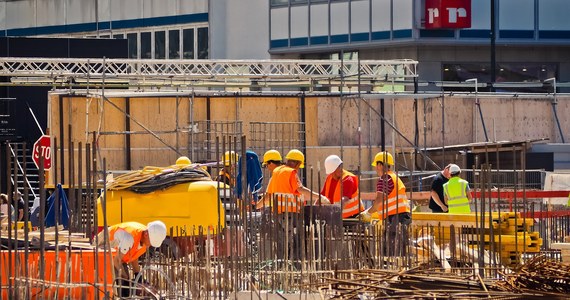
183,161
331,163
383,157
273,155
296,155
454,169
230,157
125,240
156,233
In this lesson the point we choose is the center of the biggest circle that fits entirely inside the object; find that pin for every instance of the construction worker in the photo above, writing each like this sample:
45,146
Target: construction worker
271,160
183,161
436,201
391,204
132,239
457,192
350,203
21,205
285,190
229,160
285,182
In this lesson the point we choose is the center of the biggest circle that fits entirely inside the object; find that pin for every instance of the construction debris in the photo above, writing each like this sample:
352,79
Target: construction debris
538,274
427,284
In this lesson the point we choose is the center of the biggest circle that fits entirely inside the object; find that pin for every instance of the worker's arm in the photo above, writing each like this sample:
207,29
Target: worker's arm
378,202
264,202
308,194
20,214
118,264
469,196
135,265
435,197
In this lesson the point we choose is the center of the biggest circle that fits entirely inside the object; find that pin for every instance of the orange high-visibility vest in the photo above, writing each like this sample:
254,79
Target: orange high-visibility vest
352,206
281,186
397,200
136,230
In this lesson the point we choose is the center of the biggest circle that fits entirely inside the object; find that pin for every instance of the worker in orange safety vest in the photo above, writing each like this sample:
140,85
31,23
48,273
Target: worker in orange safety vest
350,202
285,198
391,204
131,240
287,188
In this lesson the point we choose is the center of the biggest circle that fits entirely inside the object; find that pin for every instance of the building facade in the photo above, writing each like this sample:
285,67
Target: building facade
450,38
532,36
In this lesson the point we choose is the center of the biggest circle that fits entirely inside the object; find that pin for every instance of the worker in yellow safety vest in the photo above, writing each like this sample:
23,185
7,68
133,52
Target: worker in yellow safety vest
340,179
391,204
227,173
457,193
131,240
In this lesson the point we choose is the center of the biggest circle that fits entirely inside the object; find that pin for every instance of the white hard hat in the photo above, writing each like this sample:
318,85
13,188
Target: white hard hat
331,163
454,169
156,233
123,240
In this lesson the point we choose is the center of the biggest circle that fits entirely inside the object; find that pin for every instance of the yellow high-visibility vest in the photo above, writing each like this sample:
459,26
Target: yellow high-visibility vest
456,192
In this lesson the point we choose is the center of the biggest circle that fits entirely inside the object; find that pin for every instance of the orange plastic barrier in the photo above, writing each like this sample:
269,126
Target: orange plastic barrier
82,282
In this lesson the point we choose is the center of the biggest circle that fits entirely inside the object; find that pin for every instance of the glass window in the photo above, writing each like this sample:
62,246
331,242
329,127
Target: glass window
133,45
203,43
279,2
146,49
104,36
188,43
118,36
298,1
160,44
174,44
505,72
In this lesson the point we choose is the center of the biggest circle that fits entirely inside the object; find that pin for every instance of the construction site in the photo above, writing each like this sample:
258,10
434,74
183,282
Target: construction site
118,128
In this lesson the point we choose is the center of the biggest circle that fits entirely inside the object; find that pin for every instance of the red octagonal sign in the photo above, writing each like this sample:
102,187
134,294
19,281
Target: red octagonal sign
42,148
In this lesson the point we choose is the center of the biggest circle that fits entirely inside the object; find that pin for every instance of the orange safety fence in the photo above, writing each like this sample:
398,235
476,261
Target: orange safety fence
84,279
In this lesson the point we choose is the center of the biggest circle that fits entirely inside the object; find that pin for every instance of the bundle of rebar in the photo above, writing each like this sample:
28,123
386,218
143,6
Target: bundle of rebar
538,274
413,284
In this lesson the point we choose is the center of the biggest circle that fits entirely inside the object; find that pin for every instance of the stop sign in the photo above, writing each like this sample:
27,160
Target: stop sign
42,148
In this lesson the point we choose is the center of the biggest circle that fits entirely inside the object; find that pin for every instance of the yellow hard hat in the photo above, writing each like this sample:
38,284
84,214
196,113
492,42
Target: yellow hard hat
383,157
230,157
296,155
273,155
183,160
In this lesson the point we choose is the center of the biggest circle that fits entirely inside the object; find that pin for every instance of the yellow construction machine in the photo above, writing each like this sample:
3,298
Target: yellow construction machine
183,196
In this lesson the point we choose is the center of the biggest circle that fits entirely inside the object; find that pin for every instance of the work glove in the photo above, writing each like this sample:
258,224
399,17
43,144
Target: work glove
323,200
365,217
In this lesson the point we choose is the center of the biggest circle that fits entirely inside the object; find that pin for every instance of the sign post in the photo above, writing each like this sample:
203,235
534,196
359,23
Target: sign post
42,148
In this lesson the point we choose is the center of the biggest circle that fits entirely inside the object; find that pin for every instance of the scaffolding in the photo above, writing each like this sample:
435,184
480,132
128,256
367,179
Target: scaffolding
196,73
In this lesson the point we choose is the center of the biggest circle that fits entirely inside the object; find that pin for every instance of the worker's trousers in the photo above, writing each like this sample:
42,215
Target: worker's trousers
288,236
396,234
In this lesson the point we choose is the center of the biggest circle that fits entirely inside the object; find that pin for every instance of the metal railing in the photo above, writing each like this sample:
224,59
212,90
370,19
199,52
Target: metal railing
21,170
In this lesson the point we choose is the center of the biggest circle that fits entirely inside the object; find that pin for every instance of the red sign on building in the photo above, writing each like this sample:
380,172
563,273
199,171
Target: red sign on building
447,14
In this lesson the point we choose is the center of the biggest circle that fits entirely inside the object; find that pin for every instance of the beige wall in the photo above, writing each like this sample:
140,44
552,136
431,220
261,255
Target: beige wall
511,119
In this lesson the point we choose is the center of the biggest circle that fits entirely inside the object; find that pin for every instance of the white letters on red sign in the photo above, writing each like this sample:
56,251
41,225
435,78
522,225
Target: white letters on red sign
441,14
